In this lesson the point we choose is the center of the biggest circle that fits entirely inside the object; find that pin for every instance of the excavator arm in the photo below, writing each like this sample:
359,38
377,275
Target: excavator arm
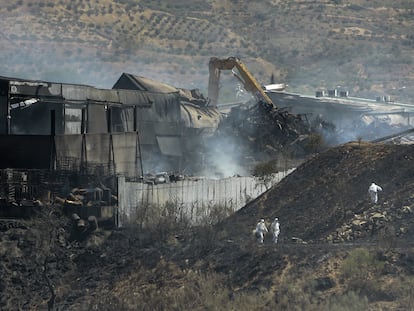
251,85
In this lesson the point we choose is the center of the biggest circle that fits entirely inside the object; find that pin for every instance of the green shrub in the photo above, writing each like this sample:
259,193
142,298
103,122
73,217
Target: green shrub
263,173
360,267
315,143
363,270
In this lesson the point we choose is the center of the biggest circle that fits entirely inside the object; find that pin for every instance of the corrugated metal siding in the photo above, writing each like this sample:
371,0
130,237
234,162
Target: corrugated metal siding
126,154
117,152
68,147
98,148
194,200
97,119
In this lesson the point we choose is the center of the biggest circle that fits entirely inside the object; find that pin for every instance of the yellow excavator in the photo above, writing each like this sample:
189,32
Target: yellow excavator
216,65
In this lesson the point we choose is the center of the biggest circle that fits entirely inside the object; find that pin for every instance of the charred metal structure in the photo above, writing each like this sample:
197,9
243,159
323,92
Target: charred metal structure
139,126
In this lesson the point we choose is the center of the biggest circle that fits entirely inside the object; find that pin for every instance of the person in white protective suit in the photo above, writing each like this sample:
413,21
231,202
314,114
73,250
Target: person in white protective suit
275,229
260,231
373,192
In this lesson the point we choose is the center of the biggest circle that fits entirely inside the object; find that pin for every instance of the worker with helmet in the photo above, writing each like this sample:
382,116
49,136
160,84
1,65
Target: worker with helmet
260,231
275,229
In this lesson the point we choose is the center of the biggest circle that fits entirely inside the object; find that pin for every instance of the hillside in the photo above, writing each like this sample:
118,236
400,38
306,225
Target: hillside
361,45
330,192
347,253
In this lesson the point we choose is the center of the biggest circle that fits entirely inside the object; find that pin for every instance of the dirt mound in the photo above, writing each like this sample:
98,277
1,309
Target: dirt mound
326,198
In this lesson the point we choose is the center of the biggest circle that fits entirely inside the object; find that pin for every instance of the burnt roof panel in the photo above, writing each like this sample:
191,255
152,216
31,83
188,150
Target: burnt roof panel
83,93
132,82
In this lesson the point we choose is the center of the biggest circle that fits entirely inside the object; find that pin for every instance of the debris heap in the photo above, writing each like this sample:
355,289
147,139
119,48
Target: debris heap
262,134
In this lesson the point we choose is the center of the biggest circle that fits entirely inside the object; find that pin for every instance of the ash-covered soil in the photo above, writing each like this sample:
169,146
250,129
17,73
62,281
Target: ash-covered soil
325,214
331,190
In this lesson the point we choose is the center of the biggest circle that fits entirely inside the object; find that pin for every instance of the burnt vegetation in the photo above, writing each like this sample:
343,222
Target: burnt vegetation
362,260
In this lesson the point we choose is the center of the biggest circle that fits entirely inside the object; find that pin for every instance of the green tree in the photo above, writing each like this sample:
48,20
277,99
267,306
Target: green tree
263,173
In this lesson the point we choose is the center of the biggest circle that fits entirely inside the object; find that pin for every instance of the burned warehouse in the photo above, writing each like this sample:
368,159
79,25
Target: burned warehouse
137,127
57,135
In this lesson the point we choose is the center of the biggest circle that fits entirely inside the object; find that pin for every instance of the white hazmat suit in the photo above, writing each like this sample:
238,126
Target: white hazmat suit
373,192
260,231
275,228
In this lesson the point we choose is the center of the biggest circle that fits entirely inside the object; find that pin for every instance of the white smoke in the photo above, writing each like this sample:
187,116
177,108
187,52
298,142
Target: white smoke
225,158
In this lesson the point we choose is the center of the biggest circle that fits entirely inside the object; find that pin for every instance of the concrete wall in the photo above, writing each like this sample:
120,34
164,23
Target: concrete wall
193,199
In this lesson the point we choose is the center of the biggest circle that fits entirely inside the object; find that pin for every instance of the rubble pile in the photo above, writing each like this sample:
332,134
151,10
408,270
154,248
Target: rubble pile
372,222
98,202
264,134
